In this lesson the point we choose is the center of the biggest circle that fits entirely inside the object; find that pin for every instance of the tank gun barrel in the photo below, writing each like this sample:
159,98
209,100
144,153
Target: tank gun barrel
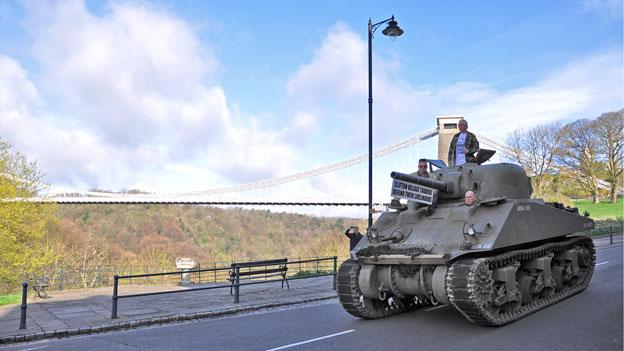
430,183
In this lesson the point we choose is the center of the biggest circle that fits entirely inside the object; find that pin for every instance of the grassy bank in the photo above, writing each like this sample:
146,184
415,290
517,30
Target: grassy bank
10,299
602,210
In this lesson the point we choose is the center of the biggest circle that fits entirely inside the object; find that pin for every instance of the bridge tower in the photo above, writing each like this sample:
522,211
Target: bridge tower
447,127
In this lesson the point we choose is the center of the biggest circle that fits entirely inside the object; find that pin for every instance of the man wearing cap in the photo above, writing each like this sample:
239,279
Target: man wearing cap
463,146
354,235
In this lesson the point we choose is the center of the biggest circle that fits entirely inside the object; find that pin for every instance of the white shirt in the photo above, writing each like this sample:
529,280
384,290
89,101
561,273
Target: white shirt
460,156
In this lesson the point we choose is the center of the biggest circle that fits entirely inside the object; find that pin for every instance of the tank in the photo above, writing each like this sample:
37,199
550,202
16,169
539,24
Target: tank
495,261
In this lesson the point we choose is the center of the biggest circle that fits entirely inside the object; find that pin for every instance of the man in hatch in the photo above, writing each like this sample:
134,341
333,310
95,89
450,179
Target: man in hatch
422,169
470,198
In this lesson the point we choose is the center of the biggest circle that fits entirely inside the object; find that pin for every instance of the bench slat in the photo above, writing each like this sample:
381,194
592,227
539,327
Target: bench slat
264,271
260,263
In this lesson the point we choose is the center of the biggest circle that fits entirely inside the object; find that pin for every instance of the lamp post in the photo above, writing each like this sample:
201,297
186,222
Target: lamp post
392,30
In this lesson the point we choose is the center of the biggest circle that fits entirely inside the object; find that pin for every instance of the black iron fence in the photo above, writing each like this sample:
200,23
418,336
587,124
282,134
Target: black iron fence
233,274
607,230
65,278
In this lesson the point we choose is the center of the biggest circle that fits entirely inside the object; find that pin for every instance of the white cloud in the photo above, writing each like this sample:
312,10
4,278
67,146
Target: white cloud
134,96
128,75
135,103
582,89
26,124
332,86
16,90
612,8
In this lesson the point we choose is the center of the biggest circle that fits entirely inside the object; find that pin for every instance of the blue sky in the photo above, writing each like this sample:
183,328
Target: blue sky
191,95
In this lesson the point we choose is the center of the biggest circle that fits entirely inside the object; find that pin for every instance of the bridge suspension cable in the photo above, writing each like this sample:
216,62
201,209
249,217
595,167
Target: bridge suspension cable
193,197
321,170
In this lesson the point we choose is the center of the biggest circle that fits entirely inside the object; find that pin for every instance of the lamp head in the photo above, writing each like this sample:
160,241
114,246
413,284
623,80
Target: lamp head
393,29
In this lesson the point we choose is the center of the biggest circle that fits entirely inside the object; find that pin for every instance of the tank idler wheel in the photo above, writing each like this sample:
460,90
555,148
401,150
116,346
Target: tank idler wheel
356,304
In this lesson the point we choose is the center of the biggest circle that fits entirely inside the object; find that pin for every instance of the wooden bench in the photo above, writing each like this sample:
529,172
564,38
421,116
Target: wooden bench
269,268
40,285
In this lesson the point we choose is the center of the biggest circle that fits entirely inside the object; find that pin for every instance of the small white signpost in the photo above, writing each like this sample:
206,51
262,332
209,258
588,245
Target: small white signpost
412,192
185,264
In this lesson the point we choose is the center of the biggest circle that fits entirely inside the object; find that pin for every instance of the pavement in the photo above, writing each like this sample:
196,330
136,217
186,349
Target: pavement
88,311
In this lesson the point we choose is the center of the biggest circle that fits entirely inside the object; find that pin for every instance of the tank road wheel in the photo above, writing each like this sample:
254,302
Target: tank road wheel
557,274
527,284
483,300
584,257
356,304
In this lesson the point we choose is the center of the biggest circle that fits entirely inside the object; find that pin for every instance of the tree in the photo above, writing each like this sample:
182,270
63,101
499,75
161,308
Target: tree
580,155
22,223
609,127
535,149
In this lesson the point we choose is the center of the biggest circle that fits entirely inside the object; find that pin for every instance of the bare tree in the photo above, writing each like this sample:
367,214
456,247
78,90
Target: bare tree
579,156
609,128
535,149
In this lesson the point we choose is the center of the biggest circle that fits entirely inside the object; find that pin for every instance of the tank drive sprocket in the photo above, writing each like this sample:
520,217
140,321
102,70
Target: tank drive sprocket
474,292
360,306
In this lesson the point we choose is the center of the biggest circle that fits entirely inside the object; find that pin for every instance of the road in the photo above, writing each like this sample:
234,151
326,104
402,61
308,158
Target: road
591,320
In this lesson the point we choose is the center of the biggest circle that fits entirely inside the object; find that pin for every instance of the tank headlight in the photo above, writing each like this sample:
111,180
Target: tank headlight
373,233
471,231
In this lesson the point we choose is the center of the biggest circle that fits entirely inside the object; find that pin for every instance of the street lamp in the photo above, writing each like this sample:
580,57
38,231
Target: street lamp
392,30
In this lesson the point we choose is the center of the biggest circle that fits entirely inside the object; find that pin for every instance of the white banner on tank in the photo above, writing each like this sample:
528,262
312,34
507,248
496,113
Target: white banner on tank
412,192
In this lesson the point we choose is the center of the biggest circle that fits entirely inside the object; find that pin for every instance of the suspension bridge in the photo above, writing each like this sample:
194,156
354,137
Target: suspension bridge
345,180
343,183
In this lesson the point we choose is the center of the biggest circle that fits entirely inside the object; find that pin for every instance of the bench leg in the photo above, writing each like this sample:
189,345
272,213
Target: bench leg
285,280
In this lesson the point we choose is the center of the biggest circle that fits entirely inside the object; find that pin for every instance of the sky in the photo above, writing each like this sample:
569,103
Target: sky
175,96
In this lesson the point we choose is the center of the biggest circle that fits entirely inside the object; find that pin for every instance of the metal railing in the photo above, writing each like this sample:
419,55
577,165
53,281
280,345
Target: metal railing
67,278
231,271
604,231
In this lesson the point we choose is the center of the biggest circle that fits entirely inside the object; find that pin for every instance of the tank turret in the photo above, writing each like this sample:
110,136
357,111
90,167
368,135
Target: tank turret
495,260
487,181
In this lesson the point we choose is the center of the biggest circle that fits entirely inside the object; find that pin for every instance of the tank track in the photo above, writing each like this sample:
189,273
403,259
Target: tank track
469,282
357,305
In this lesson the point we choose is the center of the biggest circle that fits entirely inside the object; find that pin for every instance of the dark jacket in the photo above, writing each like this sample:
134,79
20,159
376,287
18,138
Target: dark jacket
354,238
472,144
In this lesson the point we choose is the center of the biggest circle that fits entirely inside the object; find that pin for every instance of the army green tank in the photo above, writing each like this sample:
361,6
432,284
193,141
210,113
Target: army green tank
495,261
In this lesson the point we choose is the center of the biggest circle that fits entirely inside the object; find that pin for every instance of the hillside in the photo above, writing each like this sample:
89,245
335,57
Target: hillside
155,234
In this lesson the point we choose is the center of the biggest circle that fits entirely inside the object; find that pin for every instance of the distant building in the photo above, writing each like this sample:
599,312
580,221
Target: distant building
447,125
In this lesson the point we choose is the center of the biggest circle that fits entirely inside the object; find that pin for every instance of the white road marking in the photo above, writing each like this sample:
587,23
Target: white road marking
311,340
434,308
601,263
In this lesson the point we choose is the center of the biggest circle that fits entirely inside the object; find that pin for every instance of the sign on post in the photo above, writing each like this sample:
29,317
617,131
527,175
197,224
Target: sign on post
185,264
412,192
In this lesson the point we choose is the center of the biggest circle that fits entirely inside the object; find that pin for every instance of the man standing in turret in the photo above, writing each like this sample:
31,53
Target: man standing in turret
463,146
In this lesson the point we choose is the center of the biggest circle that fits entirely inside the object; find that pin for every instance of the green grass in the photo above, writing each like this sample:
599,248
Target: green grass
10,299
603,210
309,273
